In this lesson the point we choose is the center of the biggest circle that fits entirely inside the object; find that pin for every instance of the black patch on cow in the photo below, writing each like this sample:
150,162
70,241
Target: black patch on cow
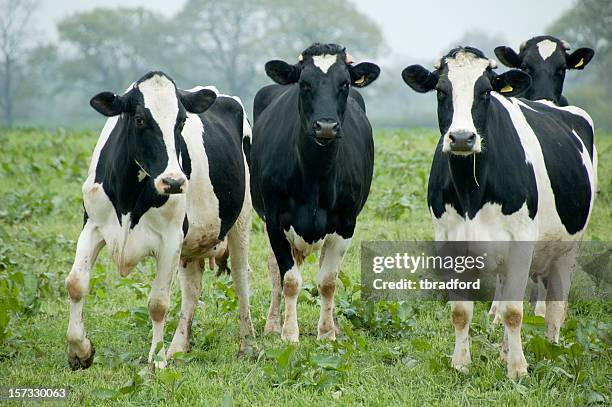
296,183
85,216
501,171
568,177
223,145
118,174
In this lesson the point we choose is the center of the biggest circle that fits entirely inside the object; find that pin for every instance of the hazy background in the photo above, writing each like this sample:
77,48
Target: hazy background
55,55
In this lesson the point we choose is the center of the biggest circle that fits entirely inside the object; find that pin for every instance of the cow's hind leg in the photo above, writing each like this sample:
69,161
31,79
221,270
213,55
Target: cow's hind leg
238,244
462,312
167,263
273,321
80,349
334,249
190,278
559,282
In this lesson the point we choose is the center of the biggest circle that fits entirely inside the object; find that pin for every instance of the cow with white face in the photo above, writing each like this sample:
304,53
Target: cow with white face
168,179
546,59
498,174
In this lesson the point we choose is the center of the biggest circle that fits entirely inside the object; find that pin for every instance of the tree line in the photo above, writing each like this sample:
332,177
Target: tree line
227,44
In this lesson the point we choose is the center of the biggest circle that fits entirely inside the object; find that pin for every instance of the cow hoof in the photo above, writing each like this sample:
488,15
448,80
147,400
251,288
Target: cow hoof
462,368
272,327
76,362
461,360
290,336
540,309
248,348
330,334
517,368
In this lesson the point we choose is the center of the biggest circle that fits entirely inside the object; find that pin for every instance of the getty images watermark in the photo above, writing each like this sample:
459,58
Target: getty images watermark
477,270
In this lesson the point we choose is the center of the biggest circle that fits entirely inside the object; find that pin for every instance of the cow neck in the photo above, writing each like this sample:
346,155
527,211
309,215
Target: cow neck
316,163
468,182
121,175
473,181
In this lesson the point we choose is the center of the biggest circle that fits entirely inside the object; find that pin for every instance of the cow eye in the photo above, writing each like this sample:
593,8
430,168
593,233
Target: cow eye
139,120
442,94
181,124
305,85
346,85
561,71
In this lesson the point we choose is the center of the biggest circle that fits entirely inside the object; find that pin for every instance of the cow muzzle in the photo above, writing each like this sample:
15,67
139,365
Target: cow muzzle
169,184
326,131
462,142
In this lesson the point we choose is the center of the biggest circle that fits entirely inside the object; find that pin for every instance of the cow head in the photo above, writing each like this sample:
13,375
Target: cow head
464,79
546,59
325,74
153,112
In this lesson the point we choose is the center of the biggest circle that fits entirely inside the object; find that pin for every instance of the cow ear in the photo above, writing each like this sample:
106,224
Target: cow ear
282,72
579,58
364,74
419,78
508,57
511,83
197,102
107,103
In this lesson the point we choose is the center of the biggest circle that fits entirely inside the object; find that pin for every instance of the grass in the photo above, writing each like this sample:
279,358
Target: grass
391,354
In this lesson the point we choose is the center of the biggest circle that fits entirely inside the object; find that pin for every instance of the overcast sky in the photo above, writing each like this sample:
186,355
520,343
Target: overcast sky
415,29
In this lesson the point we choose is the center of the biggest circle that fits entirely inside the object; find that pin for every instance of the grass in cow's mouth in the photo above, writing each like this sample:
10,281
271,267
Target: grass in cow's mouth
389,353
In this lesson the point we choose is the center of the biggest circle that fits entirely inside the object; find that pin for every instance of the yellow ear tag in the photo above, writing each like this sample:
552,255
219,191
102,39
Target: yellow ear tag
580,63
506,89
360,81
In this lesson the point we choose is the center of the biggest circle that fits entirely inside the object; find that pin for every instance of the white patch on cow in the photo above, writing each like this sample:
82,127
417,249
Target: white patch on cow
202,203
298,243
324,61
159,95
489,224
463,71
546,48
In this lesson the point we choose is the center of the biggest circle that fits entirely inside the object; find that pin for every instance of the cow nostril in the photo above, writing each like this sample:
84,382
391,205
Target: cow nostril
472,138
452,138
318,126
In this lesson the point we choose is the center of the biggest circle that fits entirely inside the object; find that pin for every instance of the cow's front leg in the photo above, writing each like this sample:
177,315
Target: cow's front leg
190,278
238,244
461,312
273,321
80,349
517,268
167,263
291,279
559,282
334,249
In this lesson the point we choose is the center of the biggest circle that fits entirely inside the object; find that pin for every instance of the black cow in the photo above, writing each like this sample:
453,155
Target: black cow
167,178
507,169
311,167
545,59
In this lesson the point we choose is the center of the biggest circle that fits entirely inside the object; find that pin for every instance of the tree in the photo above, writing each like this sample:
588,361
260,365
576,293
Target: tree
589,24
14,31
231,40
109,48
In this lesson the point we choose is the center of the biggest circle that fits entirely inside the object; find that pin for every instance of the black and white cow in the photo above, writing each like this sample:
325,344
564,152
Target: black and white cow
167,179
312,159
546,59
506,169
